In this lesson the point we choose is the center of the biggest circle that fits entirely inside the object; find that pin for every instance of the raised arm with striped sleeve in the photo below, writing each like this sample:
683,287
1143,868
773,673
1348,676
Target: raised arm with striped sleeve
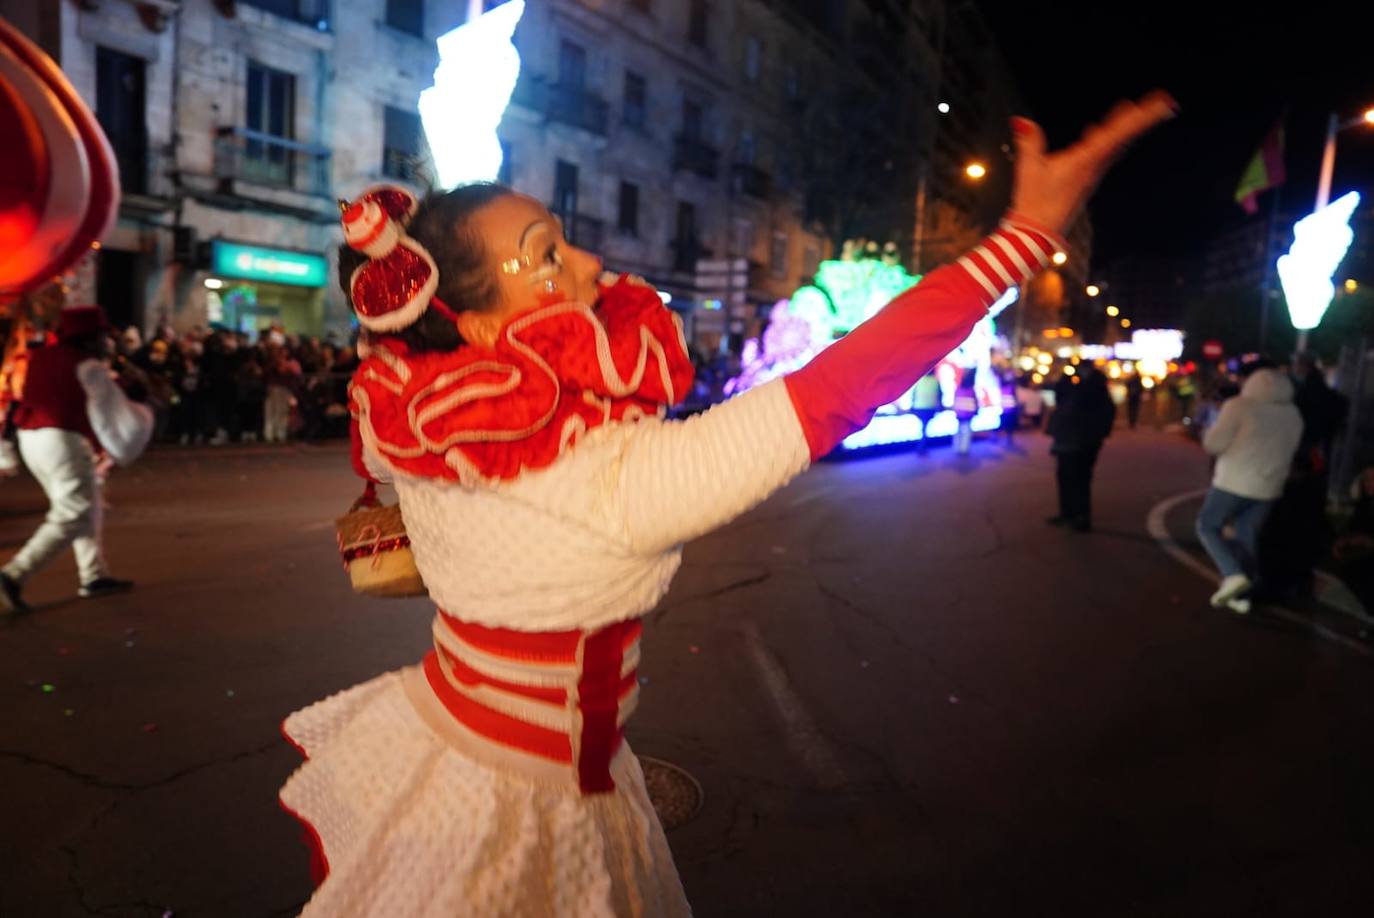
838,392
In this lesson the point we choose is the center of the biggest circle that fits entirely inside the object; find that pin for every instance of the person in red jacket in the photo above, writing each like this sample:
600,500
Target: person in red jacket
72,407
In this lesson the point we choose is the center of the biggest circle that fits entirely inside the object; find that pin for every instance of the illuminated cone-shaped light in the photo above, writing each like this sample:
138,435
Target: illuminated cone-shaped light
478,68
1320,242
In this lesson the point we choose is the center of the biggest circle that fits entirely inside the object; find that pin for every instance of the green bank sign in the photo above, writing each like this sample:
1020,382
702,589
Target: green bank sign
277,266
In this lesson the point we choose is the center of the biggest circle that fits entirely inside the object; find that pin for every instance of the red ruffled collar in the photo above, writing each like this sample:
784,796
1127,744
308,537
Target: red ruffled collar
478,414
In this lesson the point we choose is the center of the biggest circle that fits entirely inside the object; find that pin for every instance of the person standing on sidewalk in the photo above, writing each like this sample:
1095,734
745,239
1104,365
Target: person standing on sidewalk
1083,418
71,406
1254,439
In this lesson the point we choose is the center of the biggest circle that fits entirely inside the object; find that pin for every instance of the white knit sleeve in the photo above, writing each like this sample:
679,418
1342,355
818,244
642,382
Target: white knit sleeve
123,427
676,480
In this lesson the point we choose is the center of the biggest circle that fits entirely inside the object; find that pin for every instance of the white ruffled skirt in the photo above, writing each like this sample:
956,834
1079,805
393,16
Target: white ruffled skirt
410,826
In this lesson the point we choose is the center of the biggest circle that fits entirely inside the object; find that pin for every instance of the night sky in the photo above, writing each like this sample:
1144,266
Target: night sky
1234,69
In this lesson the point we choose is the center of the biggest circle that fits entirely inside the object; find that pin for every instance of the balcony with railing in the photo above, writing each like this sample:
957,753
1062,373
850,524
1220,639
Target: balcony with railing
581,230
244,156
751,180
691,154
572,105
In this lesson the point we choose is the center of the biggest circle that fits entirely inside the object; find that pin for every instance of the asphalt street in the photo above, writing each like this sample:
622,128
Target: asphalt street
901,693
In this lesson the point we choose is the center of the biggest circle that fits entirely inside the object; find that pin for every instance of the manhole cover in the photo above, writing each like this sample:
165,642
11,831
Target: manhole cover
676,795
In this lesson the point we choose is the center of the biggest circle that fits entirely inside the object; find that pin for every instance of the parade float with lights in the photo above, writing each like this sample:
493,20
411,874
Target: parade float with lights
845,292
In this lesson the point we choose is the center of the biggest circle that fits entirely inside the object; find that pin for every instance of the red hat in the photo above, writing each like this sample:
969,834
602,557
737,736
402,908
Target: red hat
81,320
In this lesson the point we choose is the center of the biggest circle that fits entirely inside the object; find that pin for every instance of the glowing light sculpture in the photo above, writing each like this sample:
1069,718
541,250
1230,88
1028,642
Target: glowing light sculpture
1320,241
478,68
845,293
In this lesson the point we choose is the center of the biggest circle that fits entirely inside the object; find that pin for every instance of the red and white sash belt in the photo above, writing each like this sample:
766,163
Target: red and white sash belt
551,704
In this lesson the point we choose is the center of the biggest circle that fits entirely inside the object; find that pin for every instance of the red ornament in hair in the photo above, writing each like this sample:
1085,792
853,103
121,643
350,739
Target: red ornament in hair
394,287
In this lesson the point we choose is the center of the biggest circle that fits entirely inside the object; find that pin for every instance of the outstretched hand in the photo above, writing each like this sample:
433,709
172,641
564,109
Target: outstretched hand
1051,188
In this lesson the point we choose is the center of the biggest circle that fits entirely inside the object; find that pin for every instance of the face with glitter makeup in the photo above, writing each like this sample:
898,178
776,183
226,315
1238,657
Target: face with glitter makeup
531,261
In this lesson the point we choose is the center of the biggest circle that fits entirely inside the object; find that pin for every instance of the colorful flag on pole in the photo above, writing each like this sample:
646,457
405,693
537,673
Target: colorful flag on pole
1264,172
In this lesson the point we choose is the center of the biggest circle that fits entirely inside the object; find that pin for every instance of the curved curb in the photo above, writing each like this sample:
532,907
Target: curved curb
1154,524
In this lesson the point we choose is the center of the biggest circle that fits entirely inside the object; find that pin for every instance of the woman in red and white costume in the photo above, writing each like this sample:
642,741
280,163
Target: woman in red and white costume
516,404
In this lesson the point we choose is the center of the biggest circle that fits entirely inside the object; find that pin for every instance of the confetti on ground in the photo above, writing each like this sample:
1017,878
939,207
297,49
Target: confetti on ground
694,649
229,693
779,550
863,664
49,688
128,643
68,711
953,699
150,728
643,680
64,651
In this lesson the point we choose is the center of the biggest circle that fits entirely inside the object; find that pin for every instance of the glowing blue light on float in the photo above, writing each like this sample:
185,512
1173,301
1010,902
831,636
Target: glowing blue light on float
1320,241
478,68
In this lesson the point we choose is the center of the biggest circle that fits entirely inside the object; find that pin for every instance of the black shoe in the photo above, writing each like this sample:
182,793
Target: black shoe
104,586
10,598
1059,521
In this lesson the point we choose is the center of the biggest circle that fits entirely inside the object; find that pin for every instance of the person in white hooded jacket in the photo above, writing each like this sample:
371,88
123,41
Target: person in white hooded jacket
1254,439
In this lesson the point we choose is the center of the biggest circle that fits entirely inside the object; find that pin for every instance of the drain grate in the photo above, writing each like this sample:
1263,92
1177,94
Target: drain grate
676,795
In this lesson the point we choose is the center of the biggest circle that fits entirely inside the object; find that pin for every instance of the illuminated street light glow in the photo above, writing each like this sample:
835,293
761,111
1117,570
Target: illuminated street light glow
1351,285
1125,323
1092,290
943,108
213,283
1065,331
1369,116
1059,258
1113,311
1069,371
1321,240
975,171
1037,379
478,68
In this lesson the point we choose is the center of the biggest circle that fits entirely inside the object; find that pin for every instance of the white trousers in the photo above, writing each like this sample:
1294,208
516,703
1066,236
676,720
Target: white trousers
64,465
276,414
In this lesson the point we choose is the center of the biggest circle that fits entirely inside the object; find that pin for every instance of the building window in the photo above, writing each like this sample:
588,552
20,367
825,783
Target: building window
744,150
400,144
309,12
744,237
271,111
628,219
753,51
697,16
692,118
406,16
779,255
636,99
685,245
119,107
572,65
565,192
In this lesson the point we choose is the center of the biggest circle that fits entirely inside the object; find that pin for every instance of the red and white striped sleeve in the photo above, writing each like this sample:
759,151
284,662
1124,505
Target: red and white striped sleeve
837,392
